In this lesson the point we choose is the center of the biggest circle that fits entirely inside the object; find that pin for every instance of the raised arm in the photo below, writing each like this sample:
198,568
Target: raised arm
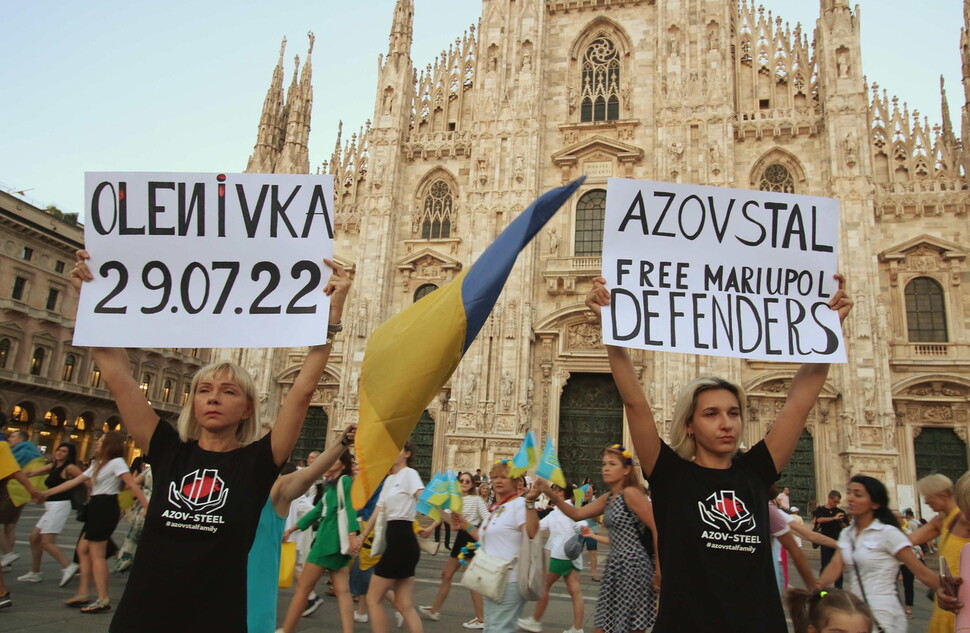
140,419
294,485
805,388
590,510
289,421
643,428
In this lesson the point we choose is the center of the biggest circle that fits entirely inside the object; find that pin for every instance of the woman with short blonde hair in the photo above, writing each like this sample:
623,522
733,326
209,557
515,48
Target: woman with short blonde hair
213,478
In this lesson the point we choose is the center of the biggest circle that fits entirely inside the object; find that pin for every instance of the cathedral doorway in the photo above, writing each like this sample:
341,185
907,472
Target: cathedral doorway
799,475
590,419
423,438
940,451
313,436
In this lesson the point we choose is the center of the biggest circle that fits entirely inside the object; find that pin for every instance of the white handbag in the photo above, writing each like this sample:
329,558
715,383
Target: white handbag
531,566
342,519
428,546
379,542
487,575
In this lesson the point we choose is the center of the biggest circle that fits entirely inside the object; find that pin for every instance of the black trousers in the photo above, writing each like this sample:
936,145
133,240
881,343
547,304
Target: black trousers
826,554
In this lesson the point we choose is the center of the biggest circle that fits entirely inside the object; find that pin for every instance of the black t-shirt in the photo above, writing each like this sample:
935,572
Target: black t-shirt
190,571
831,529
715,549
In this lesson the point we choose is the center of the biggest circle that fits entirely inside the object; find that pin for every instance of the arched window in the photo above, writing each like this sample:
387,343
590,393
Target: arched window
925,311
600,90
166,390
37,361
436,215
590,213
69,363
4,352
95,376
777,178
424,291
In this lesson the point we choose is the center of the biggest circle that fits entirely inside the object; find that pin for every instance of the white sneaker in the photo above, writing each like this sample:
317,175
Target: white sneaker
67,573
428,613
361,617
529,624
7,559
31,576
573,630
399,618
474,624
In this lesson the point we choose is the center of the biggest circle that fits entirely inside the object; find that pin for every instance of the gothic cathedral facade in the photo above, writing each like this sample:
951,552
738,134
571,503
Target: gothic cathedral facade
696,91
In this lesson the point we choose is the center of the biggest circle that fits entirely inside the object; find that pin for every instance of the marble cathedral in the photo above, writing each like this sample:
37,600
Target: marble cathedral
698,91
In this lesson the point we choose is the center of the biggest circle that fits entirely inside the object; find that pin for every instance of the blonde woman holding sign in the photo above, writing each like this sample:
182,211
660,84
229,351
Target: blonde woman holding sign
212,475
711,505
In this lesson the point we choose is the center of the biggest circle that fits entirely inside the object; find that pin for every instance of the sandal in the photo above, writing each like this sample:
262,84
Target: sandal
909,613
77,601
96,607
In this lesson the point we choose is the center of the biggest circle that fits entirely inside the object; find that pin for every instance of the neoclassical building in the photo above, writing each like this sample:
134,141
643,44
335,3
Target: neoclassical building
711,92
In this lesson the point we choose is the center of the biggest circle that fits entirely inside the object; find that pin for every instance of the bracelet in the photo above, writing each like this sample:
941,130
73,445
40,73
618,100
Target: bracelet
329,340
333,328
344,442
530,505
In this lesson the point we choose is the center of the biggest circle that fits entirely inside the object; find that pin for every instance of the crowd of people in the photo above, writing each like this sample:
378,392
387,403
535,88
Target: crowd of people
712,520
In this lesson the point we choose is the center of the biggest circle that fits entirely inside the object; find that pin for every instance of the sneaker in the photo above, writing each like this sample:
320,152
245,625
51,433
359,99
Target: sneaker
474,623
529,624
6,601
312,605
428,613
67,573
399,618
7,559
31,576
573,630
361,617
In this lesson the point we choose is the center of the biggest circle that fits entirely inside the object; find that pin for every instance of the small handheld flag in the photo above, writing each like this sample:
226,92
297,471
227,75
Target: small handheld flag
549,467
527,457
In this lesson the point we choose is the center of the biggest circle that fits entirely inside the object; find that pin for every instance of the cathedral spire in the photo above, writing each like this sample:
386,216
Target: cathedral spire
266,151
945,110
402,30
294,157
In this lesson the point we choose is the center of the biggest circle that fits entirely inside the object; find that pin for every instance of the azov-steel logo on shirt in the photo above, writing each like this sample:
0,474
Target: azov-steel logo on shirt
201,491
724,511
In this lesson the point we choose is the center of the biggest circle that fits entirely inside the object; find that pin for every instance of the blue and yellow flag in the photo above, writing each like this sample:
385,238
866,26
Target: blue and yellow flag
549,467
411,355
579,495
527,457
455,502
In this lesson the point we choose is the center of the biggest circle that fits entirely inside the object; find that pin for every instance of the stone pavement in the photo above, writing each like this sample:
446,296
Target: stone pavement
38,609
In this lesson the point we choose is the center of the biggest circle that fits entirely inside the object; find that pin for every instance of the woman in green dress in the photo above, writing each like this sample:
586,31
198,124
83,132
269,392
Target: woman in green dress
325,553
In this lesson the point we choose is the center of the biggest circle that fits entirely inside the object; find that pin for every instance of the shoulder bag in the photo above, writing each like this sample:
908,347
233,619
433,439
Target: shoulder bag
379,542
573,547
487,575
858,576
342,519
531,569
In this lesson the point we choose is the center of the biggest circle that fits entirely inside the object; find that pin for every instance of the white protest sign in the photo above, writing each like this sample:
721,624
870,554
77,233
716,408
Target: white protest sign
721,272
206,260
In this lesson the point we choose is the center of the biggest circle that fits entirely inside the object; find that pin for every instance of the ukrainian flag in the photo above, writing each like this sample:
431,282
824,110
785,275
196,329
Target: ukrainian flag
411,355
549,467
527,457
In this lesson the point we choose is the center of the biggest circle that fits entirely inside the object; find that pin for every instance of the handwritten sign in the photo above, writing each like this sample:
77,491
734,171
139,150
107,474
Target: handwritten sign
721,272
206,260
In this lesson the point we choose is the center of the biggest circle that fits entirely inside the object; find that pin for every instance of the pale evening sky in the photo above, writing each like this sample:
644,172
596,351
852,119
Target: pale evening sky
114,85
